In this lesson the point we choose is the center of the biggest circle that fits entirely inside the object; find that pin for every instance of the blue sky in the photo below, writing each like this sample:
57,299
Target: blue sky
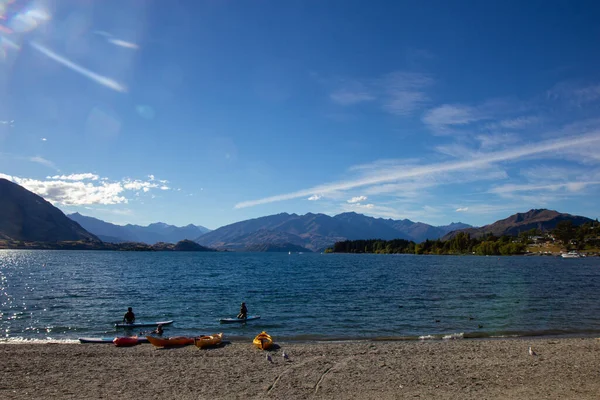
212,112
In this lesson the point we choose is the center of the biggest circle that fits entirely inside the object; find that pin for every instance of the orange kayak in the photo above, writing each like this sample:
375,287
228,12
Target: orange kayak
207,341
125,341
263,341
170,342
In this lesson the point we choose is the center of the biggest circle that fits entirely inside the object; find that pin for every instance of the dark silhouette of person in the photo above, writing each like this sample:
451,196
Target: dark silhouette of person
158,331
129,316
243,312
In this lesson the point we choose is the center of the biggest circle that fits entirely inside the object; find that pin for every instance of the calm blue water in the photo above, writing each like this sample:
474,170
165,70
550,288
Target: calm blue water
63,295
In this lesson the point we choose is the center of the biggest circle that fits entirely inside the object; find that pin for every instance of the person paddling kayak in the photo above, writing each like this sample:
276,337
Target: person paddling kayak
243,312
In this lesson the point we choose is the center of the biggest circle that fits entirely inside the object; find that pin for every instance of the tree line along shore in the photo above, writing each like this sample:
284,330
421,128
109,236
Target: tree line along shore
565,237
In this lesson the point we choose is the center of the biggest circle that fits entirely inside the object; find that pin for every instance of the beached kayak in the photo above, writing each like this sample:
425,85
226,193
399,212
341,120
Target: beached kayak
263,341
170,342
143,324
207,341
126,341
106,340
238,320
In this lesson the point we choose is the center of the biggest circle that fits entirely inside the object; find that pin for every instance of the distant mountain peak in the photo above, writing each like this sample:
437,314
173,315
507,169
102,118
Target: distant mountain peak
159,225
151,234
541,219
26,216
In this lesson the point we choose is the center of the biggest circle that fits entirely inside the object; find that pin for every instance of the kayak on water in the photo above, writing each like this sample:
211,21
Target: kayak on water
106,340
238,320
143,324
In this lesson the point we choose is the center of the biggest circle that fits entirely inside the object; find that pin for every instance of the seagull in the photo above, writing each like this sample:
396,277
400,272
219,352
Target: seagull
531,352
269,358
285,356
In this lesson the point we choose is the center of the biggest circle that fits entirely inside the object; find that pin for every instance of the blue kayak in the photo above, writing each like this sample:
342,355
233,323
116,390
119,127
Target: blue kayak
238,320
143,324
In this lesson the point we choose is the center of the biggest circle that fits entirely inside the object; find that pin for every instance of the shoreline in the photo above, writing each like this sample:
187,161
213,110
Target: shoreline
312,339
564,368
460,336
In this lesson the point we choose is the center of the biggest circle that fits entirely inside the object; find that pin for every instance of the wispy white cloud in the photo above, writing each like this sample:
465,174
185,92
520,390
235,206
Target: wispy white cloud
405,92
357,199
102,33
550,148
118,42
44,139
75,177
347,97
405,102
114,211
44,162
574,93
102,80
552,173
441,119
123,43
315,197
413,188
496,140
378,165
372,210
514,123
400,92
510,188
136,184
487,209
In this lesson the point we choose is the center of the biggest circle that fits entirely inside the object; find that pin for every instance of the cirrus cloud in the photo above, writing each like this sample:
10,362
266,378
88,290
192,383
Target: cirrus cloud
357,199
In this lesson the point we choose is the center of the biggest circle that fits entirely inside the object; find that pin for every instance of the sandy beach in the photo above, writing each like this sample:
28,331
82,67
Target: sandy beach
459,369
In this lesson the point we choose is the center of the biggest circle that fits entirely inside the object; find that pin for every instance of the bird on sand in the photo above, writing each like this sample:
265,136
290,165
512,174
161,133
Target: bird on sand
269,359
531,352
285,356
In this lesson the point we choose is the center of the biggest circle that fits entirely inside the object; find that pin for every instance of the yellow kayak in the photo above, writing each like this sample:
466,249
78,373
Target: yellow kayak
210,340
263,341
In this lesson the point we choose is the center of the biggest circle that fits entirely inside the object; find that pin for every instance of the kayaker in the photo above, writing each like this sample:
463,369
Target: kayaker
158,331
129,316
243,312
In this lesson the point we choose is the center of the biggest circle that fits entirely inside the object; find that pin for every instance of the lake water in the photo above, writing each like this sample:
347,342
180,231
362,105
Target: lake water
62,295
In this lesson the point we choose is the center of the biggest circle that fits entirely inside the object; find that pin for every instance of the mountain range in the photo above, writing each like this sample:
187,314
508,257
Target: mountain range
315,232
540,219
25,216
151,234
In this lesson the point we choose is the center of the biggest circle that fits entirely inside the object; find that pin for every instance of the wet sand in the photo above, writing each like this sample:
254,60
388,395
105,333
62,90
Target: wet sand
457,369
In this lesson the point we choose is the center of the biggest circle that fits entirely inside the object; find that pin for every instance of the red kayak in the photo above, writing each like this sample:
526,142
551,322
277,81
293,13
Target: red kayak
126,341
